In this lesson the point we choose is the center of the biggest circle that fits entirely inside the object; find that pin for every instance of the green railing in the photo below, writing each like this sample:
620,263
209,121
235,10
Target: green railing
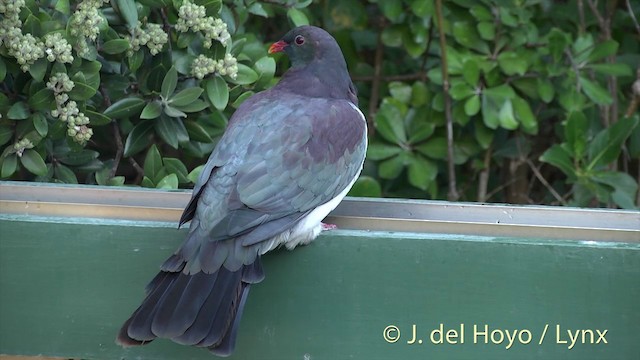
537,283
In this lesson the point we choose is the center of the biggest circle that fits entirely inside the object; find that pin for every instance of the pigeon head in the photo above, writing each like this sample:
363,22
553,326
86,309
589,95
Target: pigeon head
318,67
308,44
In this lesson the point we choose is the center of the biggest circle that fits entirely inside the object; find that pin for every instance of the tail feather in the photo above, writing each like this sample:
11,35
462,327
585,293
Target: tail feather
200,309
224,314
228,343
141,320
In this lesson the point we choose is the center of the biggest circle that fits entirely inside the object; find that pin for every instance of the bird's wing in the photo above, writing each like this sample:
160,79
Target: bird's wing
278,160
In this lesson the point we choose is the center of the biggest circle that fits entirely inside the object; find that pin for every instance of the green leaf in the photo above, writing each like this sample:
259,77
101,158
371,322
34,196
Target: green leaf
152,110
33,162
602,50
607,144
81,91
152,162
472,105
39,69
388,121
174,112
465,34
166,127
483,135
524,115
400,91
175,166
422,9
560,158
575,132
116,181
129,12
487,30
97,119
139,138
618,69
76,158
481,13
195,174
186,96
148,183
461,90
63,7
125,108
197,132
501,91
435,148
391,168
246,75
169,83
624,186
41,100
135,60
211,6
266,68
366,186
3,70
297,17
64,174
196,106
471,72
6,133
18,111
595,92
40,124
512,63
545,89
381,151
116,46
392,9
506,117
421,172
420,94
168,182
218,92
9,166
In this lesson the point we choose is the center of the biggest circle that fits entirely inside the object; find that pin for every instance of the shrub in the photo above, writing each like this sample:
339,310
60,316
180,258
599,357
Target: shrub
534,103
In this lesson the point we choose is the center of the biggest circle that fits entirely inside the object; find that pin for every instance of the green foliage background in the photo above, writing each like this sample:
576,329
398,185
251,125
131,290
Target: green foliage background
541,95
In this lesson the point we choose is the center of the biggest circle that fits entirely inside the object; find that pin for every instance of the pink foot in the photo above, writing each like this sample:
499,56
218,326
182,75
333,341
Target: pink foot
328,226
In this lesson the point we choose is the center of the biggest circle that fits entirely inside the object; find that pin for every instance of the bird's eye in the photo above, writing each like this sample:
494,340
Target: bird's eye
299,40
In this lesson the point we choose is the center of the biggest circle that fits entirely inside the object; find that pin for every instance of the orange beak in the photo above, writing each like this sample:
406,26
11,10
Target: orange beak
277,47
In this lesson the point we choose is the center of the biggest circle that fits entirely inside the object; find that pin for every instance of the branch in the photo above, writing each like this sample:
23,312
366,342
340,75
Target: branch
403,77
594,9
453,192
483,180
139,170
544,182
375,87
635,96
116,135
633,16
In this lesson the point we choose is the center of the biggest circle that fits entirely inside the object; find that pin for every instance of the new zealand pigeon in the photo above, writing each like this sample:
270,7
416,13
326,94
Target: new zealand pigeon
288,157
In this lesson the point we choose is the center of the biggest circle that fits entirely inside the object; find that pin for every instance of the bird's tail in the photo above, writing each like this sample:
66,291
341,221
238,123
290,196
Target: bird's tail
201,309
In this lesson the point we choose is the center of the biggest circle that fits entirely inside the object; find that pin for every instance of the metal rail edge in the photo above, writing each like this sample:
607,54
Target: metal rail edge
541,222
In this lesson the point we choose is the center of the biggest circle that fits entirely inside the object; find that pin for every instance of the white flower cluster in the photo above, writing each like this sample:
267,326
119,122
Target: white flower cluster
152,37
21,146
25,48
202,66
67,111
194,17
57,48
85,23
